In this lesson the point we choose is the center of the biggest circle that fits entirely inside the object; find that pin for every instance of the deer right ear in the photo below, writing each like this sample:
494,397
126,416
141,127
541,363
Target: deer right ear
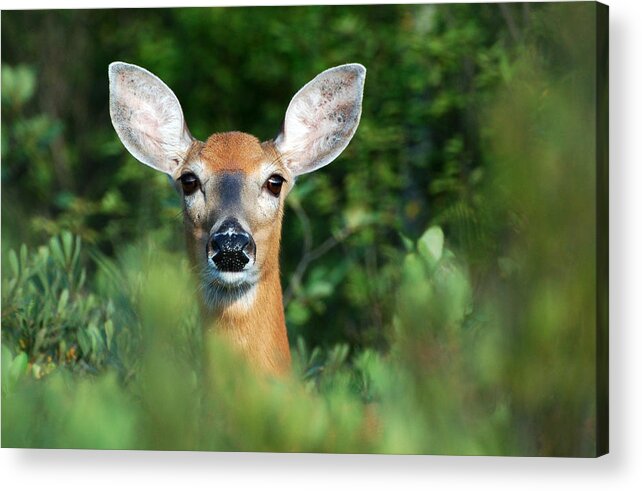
322,118
147,117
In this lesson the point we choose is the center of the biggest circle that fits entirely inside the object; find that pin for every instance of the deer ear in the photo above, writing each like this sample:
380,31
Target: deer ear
322,118
147,117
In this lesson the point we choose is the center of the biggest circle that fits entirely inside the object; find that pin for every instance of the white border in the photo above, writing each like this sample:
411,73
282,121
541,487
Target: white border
622,469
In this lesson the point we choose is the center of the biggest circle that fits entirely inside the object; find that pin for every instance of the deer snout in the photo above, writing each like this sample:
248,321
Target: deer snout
230,247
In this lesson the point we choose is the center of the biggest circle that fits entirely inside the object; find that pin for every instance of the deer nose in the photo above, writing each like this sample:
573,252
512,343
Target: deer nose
231,247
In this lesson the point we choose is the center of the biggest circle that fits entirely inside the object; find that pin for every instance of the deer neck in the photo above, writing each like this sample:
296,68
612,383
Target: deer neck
255,324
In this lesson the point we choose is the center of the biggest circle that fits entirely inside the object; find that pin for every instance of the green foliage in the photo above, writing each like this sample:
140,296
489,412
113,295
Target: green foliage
13,369
47,312
331,404
439,278
27,140
72,413
415,160
543,141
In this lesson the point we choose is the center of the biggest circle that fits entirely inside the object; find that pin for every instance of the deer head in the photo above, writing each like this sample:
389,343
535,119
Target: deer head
233,188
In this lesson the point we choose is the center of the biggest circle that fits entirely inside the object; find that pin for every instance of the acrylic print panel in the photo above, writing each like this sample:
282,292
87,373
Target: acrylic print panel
408,257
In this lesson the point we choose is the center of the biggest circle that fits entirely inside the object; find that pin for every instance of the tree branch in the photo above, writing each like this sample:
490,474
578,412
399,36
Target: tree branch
310,254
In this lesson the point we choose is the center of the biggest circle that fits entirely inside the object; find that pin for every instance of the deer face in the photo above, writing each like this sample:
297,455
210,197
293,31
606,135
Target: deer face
232,186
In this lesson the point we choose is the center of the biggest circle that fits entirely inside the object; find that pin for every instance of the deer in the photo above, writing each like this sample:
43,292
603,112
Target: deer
232,187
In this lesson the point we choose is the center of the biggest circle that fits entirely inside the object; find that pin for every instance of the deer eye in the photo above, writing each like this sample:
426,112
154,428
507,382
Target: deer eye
274,184
190,183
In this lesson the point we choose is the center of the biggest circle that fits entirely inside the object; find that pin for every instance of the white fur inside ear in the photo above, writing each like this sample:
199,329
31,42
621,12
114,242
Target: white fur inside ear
147,117
322,118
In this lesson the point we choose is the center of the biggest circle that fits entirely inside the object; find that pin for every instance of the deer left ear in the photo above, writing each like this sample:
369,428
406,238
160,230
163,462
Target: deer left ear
322,118
147,117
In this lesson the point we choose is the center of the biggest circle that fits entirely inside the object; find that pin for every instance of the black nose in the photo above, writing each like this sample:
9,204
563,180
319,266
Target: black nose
231,247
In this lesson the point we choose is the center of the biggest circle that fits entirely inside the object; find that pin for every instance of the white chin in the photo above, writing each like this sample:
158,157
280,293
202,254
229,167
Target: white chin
225,289
232,279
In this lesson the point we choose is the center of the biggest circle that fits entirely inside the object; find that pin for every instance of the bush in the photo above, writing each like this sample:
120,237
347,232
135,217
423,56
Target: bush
448,308
49,314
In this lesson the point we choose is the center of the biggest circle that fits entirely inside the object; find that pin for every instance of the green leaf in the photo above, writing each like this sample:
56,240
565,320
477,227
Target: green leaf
407,243
414,270
76,252
67,240
431,245
84,342
319,289
7,359
56,251
13,263
109,332
455,292
18,84
62,302
18,367
39,340
297,313
23,256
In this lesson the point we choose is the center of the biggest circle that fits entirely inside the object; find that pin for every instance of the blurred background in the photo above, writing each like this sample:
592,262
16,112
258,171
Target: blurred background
439,277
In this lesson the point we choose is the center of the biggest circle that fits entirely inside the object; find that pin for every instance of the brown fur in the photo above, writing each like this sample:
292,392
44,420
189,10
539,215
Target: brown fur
258,331
232,151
